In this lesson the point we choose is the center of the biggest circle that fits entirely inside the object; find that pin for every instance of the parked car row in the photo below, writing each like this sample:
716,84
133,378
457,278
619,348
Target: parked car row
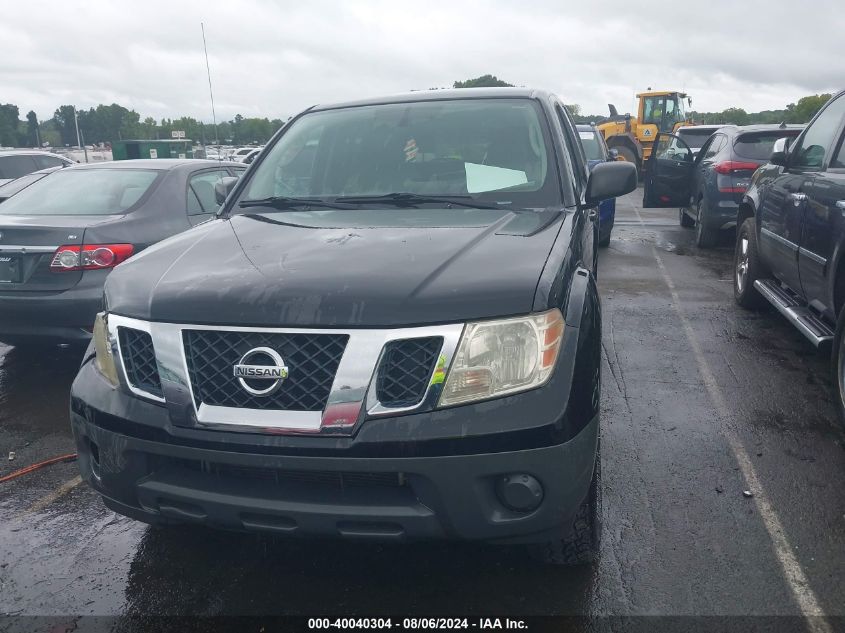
63,230
784,189
708,185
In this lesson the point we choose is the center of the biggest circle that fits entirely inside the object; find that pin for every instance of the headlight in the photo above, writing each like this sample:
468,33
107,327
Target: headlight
104,358
496,358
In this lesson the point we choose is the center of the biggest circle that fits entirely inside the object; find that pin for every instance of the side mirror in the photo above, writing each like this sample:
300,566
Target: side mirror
780,151
611,180
613,154
223,188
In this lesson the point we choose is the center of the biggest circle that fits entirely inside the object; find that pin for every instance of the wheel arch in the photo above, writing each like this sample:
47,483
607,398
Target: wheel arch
744,211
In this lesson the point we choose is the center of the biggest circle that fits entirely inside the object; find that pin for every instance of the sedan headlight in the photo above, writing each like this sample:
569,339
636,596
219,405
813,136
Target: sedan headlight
104,358
496,358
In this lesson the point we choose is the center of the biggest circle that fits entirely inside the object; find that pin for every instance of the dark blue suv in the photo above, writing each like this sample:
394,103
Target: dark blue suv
597,152
709,187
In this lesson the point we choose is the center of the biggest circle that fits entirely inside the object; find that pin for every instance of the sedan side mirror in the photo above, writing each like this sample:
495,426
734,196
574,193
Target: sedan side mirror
223,188
611,180
780,151
613,154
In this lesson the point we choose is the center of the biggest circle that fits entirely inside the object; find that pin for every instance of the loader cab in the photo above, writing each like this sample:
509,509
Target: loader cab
668,180
665,110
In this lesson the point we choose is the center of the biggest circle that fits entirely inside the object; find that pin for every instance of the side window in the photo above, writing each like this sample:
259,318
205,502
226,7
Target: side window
44,162
716,145
201,192
575,151
16,166
819,137
838,160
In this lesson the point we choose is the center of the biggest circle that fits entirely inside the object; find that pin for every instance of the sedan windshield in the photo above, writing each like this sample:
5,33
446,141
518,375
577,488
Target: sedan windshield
591,144
493,150
82,192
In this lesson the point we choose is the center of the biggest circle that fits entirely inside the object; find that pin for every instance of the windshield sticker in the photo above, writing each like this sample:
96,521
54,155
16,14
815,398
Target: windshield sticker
488,178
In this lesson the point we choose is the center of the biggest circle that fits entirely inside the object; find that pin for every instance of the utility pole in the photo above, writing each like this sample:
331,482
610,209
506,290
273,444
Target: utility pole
210,92
78,138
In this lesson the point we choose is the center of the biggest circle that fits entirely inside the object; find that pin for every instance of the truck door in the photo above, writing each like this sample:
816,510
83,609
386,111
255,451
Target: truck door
786,207
668,175
824,205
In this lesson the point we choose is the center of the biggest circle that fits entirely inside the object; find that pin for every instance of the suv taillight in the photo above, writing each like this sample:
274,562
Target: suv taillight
89,256
730,166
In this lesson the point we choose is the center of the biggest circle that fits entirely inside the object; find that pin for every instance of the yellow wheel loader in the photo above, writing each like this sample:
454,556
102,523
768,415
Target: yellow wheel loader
633,137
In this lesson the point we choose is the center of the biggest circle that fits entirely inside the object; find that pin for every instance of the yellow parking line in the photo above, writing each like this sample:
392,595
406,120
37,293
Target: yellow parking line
59,492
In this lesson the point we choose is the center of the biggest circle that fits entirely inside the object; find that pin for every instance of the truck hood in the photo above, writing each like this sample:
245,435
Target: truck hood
340,268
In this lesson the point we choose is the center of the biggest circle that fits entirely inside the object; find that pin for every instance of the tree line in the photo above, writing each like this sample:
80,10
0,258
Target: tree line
800,112
109,123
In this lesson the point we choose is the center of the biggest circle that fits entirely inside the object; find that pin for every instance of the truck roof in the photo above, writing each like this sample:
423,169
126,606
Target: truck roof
440,95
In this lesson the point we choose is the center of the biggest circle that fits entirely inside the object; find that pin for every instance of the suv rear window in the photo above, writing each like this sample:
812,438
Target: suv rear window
758,145
695,139
82,192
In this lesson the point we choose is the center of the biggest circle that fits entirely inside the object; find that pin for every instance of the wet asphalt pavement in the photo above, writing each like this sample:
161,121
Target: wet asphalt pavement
702,400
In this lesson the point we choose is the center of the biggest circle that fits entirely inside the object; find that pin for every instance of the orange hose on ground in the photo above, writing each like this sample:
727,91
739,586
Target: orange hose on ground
47,462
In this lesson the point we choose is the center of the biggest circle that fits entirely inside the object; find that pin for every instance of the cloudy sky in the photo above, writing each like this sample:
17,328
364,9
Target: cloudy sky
273,58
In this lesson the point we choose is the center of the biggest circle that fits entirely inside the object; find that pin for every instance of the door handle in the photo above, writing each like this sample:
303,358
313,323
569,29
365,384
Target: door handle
797,198
593,214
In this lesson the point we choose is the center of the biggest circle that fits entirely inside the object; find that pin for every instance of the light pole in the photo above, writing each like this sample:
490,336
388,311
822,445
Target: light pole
78,139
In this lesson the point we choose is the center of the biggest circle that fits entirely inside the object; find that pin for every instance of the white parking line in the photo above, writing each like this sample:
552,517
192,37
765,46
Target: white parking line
792,570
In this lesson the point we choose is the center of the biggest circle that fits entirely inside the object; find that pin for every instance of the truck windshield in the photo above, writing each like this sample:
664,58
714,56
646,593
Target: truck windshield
664,111
492,150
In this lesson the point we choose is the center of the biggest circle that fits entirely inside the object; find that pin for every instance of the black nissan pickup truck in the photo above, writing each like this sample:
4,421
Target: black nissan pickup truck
790,241
391,331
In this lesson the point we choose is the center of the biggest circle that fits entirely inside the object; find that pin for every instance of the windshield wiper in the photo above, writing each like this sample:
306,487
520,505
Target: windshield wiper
284,203
412,199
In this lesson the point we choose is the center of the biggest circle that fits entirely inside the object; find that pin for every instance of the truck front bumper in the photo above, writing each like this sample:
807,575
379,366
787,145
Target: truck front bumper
157,477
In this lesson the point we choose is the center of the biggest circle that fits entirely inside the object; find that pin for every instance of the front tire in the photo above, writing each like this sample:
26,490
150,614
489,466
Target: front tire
748,267
704,237
581,546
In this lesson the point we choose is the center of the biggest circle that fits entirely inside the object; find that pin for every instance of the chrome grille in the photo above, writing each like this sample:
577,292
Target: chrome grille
405,371
313,360
139,359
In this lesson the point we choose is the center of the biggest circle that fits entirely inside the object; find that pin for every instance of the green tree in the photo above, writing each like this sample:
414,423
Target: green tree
806,108
64,124
33,138
737,116
485,81
9,114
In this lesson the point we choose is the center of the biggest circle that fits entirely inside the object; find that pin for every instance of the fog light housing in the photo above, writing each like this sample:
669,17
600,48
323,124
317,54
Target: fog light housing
519,492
